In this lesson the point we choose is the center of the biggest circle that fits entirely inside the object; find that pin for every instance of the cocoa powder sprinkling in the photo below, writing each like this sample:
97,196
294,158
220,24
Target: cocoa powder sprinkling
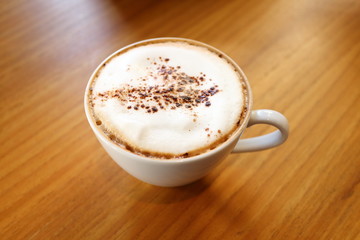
174,89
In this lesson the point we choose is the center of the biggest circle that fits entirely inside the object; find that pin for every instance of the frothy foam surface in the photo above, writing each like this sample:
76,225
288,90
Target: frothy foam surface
168,99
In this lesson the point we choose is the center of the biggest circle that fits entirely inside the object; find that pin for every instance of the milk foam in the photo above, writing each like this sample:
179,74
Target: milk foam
167,99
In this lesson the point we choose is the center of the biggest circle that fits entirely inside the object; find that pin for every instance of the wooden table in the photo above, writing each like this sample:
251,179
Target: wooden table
302,59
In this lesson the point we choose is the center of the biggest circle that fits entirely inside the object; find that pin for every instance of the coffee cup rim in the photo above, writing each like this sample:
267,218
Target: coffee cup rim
234,136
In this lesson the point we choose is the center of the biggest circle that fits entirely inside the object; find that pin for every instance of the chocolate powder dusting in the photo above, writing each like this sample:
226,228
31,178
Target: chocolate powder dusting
174,89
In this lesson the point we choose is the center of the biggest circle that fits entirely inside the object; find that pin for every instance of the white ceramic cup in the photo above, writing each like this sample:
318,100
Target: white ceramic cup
177,172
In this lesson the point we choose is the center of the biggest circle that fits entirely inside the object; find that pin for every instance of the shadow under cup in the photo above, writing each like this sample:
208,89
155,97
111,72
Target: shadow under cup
177,171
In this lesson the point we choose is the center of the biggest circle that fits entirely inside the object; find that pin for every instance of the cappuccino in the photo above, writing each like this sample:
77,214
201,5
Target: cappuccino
167,98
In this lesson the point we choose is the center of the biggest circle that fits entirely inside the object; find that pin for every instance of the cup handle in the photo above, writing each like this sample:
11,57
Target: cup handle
266,141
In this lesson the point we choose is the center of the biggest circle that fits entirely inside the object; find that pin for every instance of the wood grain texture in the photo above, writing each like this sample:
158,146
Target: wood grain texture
302,58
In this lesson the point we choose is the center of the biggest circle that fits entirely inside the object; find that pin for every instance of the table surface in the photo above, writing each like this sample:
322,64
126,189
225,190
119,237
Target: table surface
302,58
